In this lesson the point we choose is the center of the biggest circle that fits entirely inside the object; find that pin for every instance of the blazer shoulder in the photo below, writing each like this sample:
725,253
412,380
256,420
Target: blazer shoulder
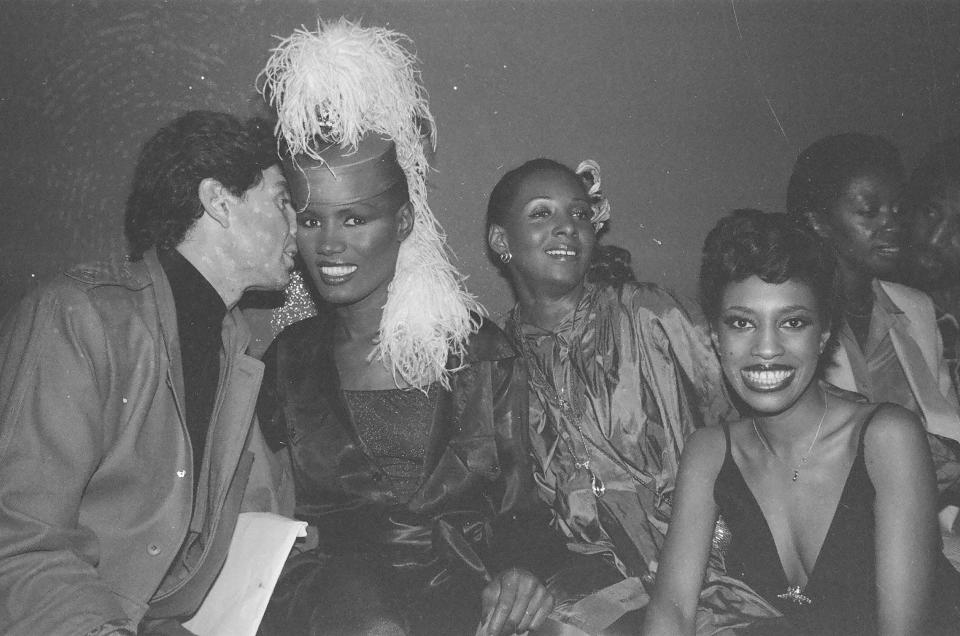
118,270
82,296
907,298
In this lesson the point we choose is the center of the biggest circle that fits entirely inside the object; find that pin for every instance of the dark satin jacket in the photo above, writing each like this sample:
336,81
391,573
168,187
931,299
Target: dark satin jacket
476,499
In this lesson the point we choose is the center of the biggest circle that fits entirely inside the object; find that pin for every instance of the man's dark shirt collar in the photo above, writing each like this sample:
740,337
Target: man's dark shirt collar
200,311
198,304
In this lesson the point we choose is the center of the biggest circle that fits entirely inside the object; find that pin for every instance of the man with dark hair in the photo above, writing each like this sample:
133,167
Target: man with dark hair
127,442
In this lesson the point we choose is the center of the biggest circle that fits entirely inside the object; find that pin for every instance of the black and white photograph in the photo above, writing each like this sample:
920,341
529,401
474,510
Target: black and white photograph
480,317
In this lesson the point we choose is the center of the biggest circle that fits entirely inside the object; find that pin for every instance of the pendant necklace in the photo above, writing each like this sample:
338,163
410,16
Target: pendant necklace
596,484
566,406
805,456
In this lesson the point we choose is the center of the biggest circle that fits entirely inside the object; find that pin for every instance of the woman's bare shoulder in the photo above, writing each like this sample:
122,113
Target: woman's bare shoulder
706,448
893,435
890,422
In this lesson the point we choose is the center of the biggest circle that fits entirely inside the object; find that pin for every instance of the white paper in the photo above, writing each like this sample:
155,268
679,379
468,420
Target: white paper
236,602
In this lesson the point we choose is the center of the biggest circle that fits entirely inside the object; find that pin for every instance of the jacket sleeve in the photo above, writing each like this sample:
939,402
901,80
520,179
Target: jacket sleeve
54,376
269,408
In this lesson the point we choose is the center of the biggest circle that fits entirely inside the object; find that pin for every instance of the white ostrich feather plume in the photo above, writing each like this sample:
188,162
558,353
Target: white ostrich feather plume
335,85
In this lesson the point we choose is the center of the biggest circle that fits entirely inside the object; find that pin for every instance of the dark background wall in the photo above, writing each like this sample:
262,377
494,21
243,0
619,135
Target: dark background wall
691,109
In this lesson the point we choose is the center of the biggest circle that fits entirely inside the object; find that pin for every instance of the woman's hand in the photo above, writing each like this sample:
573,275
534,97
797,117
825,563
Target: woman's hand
514,601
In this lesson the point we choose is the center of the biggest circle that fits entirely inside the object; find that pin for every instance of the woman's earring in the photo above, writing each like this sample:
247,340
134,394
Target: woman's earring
505,257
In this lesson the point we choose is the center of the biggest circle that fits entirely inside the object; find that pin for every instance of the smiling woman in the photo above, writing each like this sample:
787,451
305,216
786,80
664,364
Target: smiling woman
830,499
769,348
395,402
353,214
618,376
549,240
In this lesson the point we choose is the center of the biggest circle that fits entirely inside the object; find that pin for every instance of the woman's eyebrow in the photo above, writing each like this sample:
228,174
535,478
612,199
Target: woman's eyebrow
541,197
790,308
783,310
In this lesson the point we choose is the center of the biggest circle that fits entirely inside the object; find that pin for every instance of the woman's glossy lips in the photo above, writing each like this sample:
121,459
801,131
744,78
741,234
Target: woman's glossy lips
766,378
334,274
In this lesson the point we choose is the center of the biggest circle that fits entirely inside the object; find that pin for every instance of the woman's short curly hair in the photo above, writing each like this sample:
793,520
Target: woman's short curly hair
824,168
773,247
163,203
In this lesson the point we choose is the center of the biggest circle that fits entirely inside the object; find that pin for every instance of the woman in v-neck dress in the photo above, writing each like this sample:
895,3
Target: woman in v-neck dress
830,499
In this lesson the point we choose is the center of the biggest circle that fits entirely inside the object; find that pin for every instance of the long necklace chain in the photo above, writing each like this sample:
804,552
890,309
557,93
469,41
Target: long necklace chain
566,405
596,484
805,456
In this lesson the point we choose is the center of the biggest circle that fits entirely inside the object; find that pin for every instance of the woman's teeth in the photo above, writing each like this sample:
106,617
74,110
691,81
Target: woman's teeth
767,378
561,251
337,270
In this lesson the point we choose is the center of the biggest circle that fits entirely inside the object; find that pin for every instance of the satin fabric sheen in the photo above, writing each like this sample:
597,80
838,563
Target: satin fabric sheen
418,562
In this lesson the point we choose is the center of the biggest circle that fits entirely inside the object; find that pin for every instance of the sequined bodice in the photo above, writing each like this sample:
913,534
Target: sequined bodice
394,425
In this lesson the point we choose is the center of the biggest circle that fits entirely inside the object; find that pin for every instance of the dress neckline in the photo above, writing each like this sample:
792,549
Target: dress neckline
768,537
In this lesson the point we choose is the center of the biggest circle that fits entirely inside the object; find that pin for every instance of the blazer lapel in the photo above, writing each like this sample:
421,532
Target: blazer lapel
240,377
168,328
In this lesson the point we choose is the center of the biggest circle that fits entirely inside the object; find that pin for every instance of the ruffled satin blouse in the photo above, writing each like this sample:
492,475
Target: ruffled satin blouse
638,374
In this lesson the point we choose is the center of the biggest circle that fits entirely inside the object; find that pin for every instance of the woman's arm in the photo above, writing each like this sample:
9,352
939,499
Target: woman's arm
672,609
907,540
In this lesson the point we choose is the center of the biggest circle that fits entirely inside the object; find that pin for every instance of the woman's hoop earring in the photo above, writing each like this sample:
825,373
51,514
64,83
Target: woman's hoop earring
505,257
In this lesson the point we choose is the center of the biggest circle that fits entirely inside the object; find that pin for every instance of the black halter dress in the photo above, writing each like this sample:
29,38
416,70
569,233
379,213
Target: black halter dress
840,595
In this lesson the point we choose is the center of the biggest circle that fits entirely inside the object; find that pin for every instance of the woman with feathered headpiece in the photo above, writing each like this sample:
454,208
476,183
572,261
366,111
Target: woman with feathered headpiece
395,401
